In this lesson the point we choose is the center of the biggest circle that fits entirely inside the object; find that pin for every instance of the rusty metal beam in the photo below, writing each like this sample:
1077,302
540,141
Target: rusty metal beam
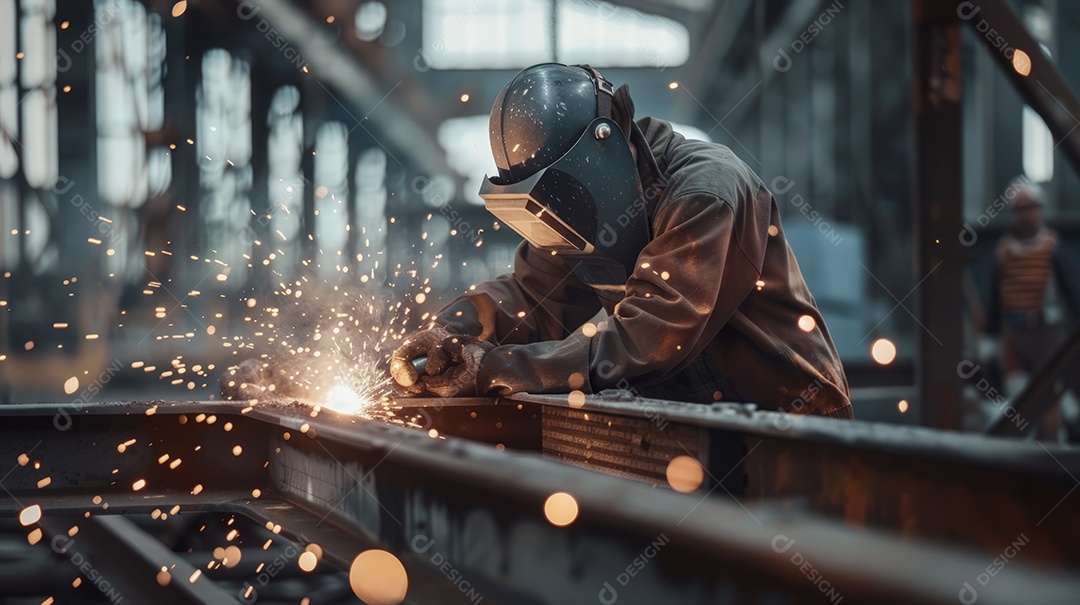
1002,32
892,477
937,195
1041,392
127,561
372,484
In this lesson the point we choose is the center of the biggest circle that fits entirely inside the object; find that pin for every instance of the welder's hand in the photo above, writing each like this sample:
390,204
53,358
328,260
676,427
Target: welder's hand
248,380
464,355
425,343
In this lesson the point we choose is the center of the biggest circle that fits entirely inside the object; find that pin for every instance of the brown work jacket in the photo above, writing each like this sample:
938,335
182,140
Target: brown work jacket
716,303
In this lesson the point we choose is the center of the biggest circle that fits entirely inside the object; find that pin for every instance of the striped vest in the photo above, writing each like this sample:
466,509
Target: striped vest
1025,268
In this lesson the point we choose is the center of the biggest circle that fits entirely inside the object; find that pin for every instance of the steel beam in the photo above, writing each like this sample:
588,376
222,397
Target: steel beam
350,484
999,28
865,474
1042,391
938,209
121,559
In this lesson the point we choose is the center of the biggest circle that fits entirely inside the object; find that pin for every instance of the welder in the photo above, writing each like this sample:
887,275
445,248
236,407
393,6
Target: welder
650,262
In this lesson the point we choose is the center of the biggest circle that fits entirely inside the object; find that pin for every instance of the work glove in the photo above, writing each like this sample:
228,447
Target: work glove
423,344
453,361
459,377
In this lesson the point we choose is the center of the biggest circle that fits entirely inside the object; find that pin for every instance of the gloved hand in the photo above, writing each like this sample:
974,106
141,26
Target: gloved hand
459,378
452,363
425,343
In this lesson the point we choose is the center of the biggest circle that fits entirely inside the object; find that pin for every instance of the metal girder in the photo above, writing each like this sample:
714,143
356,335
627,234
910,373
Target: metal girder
937,196
334,65
961,488
350,484
127,560
298,525
1042,391
997,26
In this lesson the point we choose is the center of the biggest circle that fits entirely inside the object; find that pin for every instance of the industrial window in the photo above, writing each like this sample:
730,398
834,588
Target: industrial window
37,75
331,196
223,124
602,34
474,35
9,136
130,57
129,60
28,130
9,92
285,182
468,152
370,177
1038,142
1038,147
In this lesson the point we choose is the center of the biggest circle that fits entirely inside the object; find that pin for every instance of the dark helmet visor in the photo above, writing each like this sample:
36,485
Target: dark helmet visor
587,202
526,208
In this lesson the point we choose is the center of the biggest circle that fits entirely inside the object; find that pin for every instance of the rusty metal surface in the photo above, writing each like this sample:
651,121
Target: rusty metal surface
481,510
967,489
937,90
515,426
902,440
480,502
618,444
131,559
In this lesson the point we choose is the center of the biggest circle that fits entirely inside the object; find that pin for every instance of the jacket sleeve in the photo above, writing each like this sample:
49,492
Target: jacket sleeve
540,300
695,273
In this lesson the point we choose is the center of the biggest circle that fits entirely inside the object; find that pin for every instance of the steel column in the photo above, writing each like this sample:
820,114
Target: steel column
938,206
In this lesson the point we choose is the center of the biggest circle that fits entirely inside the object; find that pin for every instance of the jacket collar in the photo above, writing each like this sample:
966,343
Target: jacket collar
651,137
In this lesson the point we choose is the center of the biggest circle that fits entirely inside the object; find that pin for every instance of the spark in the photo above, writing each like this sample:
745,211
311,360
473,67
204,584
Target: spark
30,515
343,399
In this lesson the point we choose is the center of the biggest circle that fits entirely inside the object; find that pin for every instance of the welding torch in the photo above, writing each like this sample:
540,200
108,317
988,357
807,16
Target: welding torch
399,370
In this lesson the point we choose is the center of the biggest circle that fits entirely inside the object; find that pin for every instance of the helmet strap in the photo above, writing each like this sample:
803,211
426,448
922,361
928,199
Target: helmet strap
605,91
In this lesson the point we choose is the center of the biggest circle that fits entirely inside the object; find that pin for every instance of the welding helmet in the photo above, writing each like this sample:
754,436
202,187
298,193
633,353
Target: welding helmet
567,180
